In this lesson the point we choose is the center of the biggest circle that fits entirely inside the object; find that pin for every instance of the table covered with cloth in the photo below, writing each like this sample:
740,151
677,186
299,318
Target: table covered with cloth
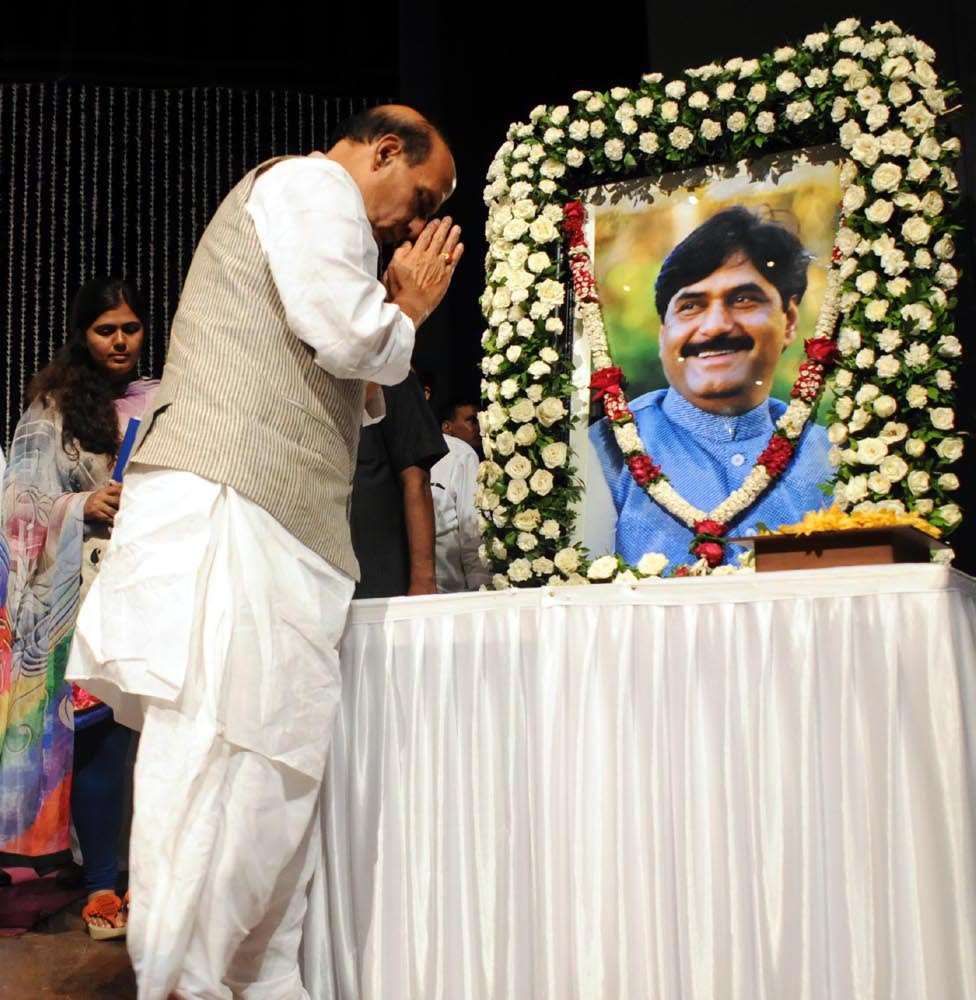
727,788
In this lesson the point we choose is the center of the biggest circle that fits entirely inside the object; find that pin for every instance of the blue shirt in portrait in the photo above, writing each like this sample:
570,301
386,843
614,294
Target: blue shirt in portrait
706,457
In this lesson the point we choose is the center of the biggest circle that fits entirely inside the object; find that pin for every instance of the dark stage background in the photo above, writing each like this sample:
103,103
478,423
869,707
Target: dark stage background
473,69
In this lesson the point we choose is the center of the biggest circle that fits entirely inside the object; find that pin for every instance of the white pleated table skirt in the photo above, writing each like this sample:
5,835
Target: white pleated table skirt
745,787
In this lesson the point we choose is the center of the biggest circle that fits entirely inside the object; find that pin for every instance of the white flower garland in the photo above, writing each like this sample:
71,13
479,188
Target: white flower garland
892,422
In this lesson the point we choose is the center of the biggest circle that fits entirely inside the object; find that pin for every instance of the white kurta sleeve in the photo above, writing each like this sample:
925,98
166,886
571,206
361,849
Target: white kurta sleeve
469,538
311,223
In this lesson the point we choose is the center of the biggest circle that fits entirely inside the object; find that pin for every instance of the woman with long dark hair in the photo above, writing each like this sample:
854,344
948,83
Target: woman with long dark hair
62,755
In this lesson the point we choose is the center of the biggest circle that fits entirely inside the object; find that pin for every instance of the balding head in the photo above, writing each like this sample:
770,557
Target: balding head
401,165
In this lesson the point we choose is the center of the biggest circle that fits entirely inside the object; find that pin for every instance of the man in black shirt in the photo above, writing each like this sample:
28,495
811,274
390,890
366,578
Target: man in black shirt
392,514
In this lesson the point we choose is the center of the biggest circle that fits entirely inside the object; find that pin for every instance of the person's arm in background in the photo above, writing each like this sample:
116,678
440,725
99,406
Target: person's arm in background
418,516
469,537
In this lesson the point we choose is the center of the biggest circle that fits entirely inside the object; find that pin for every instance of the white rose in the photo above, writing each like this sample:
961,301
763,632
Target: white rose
539,369
517,491
495,417
932,203
916,397
870,451
876,310
541,482
518,467
522,411
918,170
579,130
749,68
838,112
917,355
923,507
567,561
846,240
669,111
944,380
526,520
843,380
919,314
798,111
914,447
866,149
946,275
602,568
525,436
879,212
943,418
652,564
725,91
534,392
648,142
918,482
887,366
893,432
886,177
680,137
878,482
550,410
856,489
526,541
917,117
878,116
542,566
894,468
916,230
817,77
837,433
574,157
885,406
848,340
787,82
509,388
675,88
757,93
895,143
698,100
849,133
710,129
948,481
950,449
859,420
736,121
614,149
765,122
950,513
854,198
949,346
866,393
866,282
897,286
554,455
519,570
543,231
643,106
844,407
864,358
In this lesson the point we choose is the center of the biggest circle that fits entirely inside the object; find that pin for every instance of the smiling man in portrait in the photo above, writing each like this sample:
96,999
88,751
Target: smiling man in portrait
728,297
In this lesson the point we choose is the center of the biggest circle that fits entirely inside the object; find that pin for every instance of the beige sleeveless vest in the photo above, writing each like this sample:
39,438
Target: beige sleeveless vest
242,401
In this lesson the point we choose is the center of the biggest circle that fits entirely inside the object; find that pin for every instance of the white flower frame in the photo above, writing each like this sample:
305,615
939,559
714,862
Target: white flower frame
875,92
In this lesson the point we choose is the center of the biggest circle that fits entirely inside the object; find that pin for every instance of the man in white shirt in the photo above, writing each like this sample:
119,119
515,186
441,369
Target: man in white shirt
217,613
452,483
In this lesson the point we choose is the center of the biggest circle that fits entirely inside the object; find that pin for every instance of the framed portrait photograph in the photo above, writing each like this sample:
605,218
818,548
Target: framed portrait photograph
709,282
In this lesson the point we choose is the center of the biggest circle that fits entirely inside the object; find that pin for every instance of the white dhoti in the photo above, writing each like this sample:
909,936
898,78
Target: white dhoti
216,631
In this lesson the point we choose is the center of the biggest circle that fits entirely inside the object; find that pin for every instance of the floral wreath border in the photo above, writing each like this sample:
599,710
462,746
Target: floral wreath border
896,350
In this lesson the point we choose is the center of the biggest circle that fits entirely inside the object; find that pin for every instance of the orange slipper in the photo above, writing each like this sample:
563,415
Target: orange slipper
108,906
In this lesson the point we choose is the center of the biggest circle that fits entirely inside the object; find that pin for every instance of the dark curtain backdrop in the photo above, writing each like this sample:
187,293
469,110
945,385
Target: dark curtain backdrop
122,180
